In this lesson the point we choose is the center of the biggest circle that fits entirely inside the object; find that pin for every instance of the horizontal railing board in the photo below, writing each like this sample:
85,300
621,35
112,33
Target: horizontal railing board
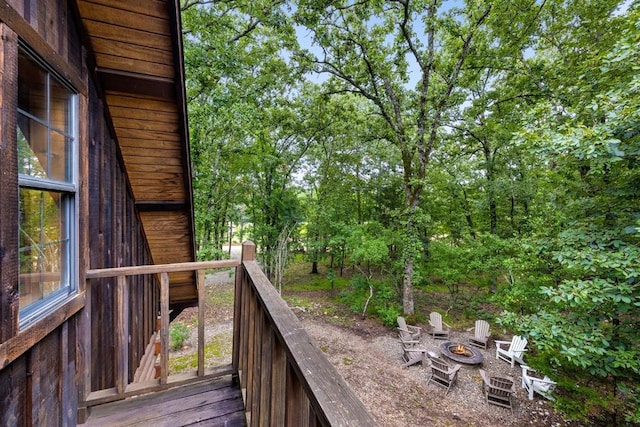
159,268
136,389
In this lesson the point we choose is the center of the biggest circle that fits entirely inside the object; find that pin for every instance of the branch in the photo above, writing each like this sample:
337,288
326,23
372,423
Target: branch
451,81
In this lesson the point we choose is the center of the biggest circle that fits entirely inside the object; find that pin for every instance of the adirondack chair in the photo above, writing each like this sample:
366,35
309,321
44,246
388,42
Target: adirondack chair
437,331
498,391
442,374
412,354
542,386
481,334
408,332
514,352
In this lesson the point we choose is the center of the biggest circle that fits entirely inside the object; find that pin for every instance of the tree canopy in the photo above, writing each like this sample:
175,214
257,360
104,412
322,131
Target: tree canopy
470,144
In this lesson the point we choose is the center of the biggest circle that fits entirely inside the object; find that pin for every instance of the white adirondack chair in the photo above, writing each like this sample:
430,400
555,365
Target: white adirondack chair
514,353
481,334
543,386
408,332
437,331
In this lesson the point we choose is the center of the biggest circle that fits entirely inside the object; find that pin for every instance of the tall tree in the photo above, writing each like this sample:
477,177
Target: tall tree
370,48
586,328
242,126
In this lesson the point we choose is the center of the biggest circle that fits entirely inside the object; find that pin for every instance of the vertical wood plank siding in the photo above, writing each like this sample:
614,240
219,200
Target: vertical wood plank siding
40,386
121,242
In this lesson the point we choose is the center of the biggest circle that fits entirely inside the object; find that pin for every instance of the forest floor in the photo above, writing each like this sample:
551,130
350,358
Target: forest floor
368,356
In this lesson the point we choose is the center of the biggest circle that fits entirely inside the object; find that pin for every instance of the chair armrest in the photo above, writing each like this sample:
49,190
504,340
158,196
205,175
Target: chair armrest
499,344
414,328
446,324
485,380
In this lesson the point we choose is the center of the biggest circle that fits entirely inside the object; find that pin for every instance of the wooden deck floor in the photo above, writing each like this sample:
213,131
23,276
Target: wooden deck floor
212,402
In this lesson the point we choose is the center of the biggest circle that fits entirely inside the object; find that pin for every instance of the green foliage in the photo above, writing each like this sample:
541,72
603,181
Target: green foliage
585,328
383,304
210,252
178,333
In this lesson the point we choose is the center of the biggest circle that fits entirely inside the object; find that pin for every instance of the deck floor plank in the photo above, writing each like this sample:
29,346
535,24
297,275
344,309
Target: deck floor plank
213,402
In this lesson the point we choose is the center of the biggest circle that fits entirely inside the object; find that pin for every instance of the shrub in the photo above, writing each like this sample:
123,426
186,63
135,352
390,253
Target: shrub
178,333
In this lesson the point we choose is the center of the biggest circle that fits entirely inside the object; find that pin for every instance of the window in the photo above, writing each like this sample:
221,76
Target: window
47,175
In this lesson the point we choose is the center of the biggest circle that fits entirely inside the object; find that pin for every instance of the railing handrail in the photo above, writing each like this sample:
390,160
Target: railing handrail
99,273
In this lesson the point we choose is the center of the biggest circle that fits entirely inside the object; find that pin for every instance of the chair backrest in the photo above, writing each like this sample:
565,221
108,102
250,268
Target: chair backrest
482,329
500,386
439,364
518,345
402,324
435,320
440,369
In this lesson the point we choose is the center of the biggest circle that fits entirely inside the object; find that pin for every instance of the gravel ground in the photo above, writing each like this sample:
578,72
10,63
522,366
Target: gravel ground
398,396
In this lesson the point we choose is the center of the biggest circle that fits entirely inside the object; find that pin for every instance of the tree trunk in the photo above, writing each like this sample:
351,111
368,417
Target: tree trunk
407,288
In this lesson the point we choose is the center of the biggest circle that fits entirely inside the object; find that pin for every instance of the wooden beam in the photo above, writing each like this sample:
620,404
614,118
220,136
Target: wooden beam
9,303
122,335
137,84
160,206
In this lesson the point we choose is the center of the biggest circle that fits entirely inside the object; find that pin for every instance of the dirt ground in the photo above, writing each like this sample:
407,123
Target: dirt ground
368,356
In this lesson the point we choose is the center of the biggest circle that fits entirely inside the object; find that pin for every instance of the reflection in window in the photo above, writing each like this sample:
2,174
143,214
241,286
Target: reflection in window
43,245
47,175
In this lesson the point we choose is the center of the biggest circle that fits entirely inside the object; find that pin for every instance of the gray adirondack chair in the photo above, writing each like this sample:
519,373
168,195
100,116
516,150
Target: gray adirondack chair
442,374
408,332
498,391
437,330
412,354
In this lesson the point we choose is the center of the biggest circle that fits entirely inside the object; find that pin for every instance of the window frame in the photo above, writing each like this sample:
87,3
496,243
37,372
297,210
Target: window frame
68,191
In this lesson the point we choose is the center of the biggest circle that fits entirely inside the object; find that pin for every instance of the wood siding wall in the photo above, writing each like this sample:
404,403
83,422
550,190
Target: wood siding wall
117,240
39,381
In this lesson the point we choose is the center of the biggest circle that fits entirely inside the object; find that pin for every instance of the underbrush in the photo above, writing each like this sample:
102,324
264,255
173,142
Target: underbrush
382,297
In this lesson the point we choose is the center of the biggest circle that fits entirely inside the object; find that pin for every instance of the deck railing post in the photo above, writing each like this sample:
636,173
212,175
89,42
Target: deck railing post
84,346
164,327
241,288
201,301
122,335
248,251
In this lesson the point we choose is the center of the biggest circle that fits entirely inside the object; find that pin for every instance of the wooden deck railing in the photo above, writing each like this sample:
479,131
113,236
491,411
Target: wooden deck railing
285,378
123,388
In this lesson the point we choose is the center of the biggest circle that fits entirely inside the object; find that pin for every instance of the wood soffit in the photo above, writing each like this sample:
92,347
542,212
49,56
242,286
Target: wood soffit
137,50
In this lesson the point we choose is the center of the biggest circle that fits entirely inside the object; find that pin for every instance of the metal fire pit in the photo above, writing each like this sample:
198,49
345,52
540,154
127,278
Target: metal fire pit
474,358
